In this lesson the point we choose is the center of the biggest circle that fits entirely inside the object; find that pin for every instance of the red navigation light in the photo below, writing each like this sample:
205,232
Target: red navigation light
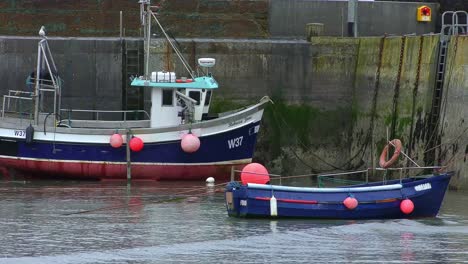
424,14
426,11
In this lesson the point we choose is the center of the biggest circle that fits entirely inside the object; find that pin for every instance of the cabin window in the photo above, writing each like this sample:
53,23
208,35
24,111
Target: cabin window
167,97
195,95
208,98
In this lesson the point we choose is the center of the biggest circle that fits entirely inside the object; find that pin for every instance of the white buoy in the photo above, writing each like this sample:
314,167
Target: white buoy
273,206
210,180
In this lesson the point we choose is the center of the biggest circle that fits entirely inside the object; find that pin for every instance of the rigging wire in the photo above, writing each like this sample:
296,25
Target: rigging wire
178,53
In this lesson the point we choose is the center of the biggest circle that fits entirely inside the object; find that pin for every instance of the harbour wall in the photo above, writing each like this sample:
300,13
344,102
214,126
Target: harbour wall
334,98
90,68
215,18
454,123
289,17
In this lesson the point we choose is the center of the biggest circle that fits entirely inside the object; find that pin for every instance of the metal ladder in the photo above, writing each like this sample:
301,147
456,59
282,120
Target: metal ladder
133,97
452,25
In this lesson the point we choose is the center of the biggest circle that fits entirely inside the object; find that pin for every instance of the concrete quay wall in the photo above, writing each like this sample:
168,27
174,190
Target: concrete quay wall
335,98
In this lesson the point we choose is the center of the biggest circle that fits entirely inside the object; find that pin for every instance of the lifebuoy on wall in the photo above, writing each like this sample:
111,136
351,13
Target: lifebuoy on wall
387,163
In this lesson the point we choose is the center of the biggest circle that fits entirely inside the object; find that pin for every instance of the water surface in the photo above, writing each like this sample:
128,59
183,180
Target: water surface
186,222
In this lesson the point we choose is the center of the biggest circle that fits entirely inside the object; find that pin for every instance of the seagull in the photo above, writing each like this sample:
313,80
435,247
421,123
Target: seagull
42,32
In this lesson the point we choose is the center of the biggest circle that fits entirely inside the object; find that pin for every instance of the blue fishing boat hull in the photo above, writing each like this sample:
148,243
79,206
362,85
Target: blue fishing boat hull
156,161
375,201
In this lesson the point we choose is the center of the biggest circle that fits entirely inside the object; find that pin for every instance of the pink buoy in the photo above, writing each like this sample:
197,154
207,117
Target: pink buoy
254,173
350,203
190,143
116,140
136,144
407,206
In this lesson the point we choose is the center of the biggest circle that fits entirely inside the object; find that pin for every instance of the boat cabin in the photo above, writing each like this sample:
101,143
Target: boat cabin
176,101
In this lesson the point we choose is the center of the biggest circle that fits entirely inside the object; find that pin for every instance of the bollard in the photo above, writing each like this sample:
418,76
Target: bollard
314,30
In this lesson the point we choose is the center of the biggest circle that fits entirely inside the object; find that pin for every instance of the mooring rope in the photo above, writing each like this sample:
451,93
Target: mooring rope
173,199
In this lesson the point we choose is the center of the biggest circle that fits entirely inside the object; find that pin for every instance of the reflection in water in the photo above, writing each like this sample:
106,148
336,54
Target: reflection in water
186,222
406,239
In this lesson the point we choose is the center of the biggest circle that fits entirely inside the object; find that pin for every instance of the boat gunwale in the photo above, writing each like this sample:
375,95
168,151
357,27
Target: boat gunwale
249,110
324,190
348,189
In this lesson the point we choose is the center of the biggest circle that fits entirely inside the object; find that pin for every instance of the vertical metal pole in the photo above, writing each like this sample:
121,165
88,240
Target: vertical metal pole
129,163
388,152
342,22
121,24
356,20
232,173
148,40
372,155
36,88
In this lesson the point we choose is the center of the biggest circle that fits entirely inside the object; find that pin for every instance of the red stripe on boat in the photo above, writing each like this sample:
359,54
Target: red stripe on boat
109,171
288,200
298,201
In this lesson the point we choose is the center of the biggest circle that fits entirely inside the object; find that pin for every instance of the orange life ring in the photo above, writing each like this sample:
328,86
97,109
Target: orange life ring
384,163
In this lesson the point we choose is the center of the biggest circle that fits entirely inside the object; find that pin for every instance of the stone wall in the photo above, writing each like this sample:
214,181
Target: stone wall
182,18
212,18
334,97
90,68
454,119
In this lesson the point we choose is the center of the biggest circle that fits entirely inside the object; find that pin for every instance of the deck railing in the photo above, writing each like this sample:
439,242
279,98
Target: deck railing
324,177
99,113
14,94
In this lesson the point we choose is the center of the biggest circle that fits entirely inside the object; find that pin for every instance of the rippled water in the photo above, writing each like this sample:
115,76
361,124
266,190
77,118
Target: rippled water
150,222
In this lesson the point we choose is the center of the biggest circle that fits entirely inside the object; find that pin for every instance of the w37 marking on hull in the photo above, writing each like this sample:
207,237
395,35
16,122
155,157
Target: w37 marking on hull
235,142
19,133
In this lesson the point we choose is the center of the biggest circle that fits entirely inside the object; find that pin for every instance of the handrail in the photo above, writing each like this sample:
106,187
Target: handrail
8,104
319,176
105,111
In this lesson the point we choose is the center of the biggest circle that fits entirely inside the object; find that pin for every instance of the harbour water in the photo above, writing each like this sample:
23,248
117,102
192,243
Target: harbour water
186,222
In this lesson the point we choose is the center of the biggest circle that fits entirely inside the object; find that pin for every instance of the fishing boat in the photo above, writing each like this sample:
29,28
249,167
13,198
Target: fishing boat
178,140
407,197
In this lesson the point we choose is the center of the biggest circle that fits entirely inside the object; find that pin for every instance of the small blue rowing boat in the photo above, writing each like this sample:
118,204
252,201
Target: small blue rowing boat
401,198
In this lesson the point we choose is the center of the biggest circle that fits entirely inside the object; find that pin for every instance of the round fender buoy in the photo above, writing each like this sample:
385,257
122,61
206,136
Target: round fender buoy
407,206
190,143
387,163
210,180
350,202
255,173
136,144
116,140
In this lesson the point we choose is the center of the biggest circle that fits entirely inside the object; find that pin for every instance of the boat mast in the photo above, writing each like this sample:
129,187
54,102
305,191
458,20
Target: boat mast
145,18
45,61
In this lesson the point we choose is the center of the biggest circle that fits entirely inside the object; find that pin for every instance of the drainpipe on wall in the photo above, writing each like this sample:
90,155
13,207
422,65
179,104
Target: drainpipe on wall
352,18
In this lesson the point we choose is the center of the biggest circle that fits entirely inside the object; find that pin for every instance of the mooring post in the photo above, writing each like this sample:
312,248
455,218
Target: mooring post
129,163
121,24
232,173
